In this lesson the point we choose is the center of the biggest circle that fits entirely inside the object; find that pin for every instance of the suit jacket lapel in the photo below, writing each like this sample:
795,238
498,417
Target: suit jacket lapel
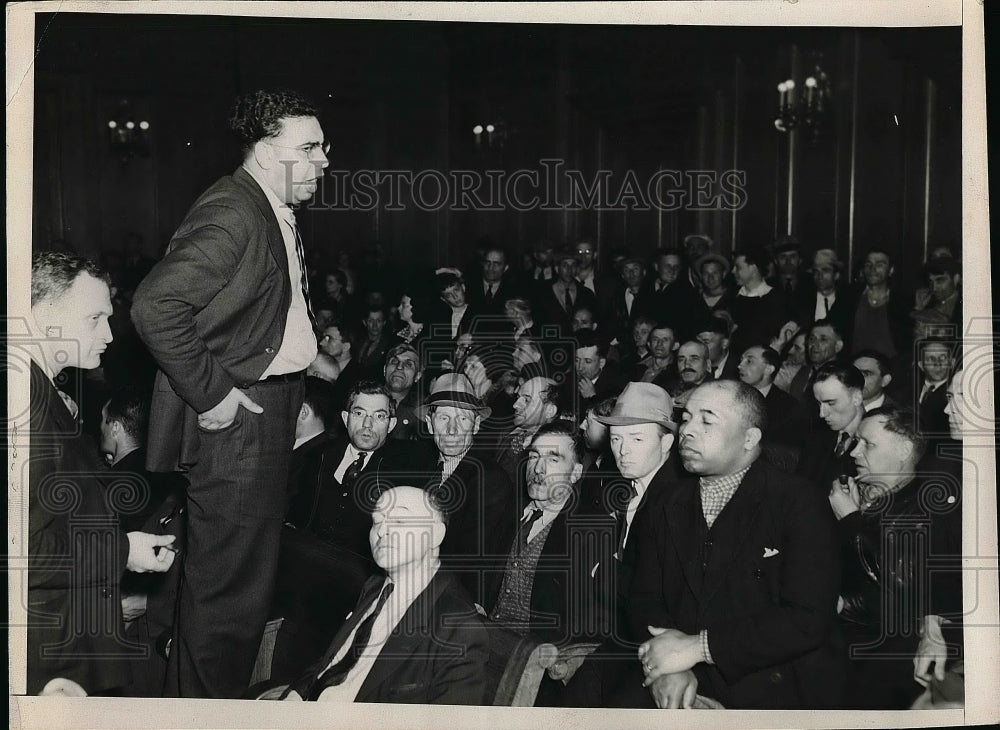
733,526
275,241
369,593
413,629
686,526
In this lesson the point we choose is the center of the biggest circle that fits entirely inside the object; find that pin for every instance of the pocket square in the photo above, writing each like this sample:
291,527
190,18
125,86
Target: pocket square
770,552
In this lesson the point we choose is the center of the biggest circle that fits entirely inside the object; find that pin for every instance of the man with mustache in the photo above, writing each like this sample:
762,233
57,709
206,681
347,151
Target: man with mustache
402,372
226,316
693,369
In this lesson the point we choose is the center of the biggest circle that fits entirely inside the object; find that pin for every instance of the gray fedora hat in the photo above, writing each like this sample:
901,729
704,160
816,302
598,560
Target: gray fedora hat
453,389
642,403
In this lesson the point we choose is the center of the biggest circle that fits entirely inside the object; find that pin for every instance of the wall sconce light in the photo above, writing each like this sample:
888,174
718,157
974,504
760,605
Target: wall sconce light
807,109
127,136
496,135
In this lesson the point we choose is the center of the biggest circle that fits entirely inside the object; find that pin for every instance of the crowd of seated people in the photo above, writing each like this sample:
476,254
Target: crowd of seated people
673,468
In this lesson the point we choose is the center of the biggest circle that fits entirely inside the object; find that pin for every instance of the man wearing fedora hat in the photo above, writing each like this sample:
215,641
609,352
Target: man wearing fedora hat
737,575
473,490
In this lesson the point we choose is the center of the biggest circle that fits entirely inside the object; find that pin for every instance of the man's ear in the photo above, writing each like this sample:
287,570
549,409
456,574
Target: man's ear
839,346
551,411
430,424
392,424
576,474
420,374
304,412
957,279
476,424
752,438
886,379
603,361
343,416
666,442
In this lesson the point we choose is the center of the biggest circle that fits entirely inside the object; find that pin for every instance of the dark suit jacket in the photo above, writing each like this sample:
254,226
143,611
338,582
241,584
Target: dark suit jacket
617,320
786,419
212,312
76,552
550,309
763,581
480,502
819,462
933,420
841,313
305,478
476,291
572,589
434,656
673,305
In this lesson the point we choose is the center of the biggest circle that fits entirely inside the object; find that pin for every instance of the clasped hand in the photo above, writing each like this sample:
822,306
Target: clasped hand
669,651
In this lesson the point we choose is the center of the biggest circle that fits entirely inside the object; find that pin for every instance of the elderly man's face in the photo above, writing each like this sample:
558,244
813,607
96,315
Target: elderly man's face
79,318
712,434
879,454
552,469
692,362
368,421
822,345
402,370
753,368
405,528
295,159
453,429
838,404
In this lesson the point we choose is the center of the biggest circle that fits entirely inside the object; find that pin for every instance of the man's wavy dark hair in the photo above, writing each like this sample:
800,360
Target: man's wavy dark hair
258,115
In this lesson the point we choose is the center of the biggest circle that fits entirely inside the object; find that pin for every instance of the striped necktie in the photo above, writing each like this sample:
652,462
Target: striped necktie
300,253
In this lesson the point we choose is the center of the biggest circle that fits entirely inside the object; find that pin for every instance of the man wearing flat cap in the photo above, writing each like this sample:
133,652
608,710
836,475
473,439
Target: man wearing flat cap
737,574
472,489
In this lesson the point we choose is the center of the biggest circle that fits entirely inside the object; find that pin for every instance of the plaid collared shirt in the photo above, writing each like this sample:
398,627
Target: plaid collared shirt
716,493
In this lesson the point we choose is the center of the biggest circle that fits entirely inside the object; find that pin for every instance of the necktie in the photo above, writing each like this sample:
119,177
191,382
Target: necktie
74,409
788,286
928,389
489,293
525,530
300,253
338,672
623,518
826,304
351,475
845,444
569,300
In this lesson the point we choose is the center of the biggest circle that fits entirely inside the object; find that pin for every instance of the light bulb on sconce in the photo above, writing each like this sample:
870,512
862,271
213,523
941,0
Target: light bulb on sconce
809,110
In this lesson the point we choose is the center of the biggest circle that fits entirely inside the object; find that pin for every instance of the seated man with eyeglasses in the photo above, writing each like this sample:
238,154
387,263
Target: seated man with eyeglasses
326,560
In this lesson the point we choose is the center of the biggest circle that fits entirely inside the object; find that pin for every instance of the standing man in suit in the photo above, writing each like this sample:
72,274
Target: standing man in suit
738,572
495,286
414,636
81,652
828,299
226,316
558,299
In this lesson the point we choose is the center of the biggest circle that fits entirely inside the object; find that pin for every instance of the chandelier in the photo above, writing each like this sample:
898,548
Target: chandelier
806,107
128,137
